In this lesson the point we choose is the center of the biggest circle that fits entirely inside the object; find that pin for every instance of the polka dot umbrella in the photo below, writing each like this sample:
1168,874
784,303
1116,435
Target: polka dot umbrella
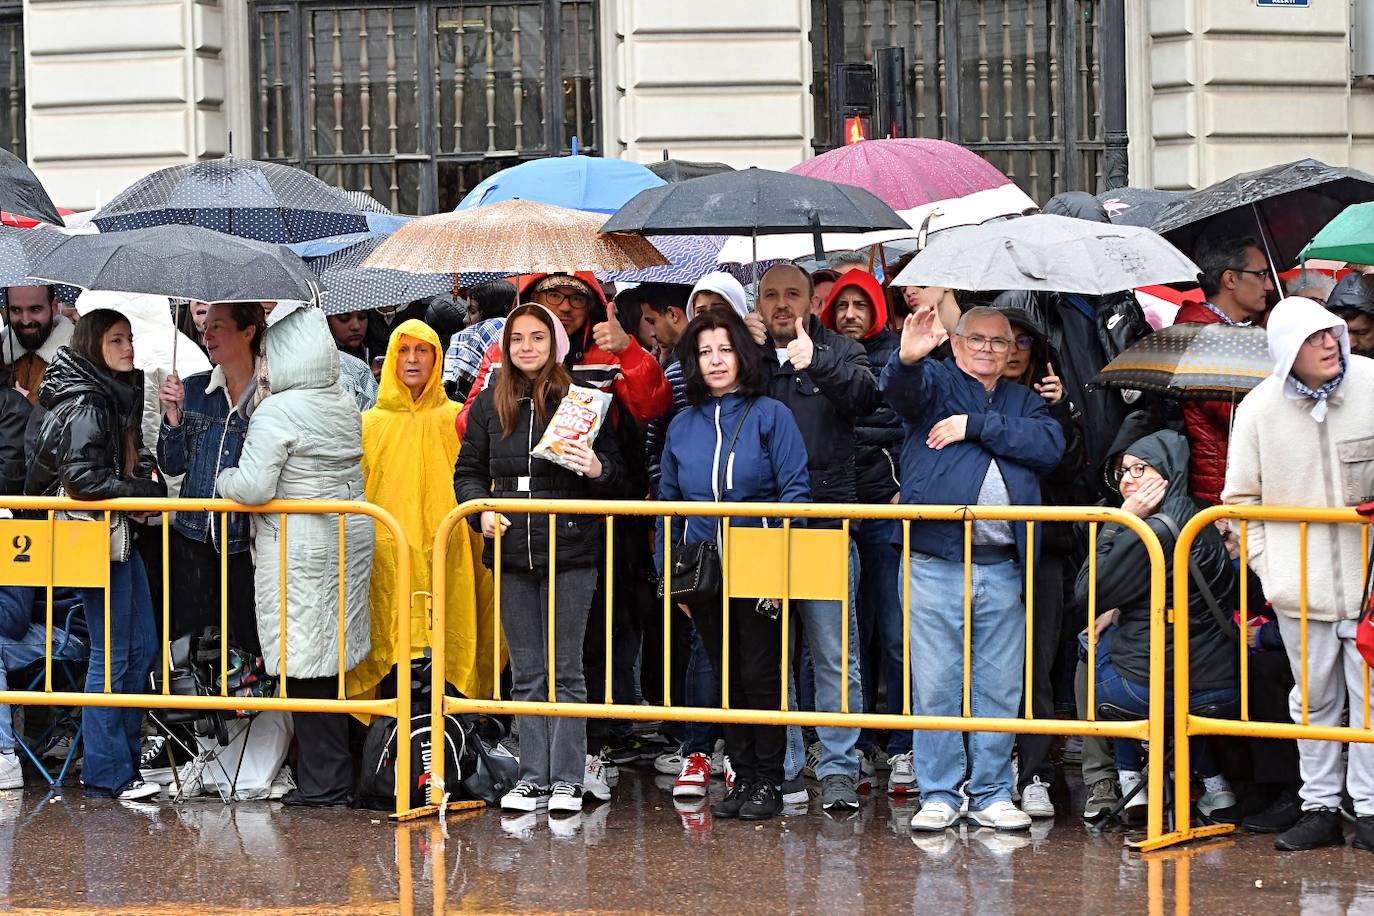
1212,362
263,201
351,287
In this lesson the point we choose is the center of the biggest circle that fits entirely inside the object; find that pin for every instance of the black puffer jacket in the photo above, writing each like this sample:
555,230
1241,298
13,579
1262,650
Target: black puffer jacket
90,416
14,418
493,464
1123,579
827,400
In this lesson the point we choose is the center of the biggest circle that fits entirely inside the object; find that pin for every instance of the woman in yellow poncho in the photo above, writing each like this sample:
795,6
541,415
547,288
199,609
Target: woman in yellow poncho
410,447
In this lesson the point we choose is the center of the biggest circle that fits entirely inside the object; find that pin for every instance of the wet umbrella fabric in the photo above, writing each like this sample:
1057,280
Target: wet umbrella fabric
1137,206
589,183
1348,237
183,262
1192,361
1283,206
22,194
906,173
1049,253
350,287
675,170
263,201
20,249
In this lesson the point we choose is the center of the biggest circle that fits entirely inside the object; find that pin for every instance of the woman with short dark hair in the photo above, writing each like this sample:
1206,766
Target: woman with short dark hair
732,444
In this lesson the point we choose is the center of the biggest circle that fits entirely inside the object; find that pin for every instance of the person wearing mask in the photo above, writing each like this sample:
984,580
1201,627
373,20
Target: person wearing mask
735,444
1302,438
1236,279
1353,300
857,309
971,439
204,422
825,380
507,418
1153,482
90,446
304,441
34,330
488,302
409,450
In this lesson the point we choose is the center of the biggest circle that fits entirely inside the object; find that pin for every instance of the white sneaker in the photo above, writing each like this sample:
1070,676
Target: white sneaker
565,797
565,826
11,771
138,789
526,796
594,780
1015,778
1035,799
963,801
1129,781
1001,815
282,783
934,816
189,782
902,778
669,763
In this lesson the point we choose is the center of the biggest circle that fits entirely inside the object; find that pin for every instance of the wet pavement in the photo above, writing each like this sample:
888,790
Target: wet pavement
638,853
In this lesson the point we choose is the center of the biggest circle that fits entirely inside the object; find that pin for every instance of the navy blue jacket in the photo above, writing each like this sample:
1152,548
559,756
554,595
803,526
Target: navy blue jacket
1010,424
207,441
768,465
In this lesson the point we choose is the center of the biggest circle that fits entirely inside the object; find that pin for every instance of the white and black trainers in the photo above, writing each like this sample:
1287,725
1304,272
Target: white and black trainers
526,796
566,797
138,789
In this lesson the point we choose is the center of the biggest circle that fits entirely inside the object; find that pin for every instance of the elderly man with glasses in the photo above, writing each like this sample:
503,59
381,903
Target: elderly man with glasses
972,438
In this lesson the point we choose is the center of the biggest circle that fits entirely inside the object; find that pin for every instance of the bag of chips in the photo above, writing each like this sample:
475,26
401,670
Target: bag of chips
578,419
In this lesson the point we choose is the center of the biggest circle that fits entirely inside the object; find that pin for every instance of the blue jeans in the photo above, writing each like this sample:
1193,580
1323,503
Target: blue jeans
880,608
702,689
29,649
998,652
821,622
111,736
1114,688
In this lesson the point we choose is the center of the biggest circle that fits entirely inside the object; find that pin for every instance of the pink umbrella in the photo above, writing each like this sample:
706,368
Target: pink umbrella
906,173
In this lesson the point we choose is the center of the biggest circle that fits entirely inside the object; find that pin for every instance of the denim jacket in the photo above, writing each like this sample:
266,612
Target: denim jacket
208,439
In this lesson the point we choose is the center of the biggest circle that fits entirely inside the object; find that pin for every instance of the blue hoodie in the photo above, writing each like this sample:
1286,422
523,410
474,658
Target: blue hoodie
768,464
1009,424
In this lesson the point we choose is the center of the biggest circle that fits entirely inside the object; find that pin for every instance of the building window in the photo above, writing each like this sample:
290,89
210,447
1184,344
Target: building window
414,103
13,99
1015,80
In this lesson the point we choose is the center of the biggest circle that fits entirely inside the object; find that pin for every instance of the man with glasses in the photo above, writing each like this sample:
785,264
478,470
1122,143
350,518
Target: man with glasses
972,438
1236,279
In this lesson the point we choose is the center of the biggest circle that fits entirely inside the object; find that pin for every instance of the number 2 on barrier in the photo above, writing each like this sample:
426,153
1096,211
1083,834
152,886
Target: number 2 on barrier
82,553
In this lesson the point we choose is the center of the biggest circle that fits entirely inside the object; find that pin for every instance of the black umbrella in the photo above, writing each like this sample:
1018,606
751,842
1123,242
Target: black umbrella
1283,206
241,197
22,194
20,249
675,170
1137,206
184,262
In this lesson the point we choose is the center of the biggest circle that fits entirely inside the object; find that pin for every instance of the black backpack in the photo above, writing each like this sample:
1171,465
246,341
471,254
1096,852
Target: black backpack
472,768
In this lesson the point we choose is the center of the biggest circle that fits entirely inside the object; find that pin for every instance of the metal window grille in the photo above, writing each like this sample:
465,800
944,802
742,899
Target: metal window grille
13,98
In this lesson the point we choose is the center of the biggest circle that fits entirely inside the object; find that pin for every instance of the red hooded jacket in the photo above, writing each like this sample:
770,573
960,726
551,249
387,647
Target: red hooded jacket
1208,425
872,289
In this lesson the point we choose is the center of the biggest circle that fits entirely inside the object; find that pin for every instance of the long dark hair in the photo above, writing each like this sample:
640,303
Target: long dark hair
89,334
752,379
545,389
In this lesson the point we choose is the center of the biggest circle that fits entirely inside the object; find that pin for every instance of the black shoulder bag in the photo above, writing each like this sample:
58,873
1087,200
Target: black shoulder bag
1224,622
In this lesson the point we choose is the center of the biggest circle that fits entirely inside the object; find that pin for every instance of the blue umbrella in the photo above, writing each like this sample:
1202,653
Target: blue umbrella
577,182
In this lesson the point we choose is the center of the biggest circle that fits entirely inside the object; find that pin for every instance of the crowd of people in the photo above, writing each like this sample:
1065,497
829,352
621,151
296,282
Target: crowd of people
831,386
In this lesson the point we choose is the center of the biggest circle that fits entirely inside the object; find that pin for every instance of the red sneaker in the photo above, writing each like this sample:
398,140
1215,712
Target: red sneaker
692,781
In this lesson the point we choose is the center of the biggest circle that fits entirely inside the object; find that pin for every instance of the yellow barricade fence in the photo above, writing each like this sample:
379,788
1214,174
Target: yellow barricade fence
48,552
1186,724
795,563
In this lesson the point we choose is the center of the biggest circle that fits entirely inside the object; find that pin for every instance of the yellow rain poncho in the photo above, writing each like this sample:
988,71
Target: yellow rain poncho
409,450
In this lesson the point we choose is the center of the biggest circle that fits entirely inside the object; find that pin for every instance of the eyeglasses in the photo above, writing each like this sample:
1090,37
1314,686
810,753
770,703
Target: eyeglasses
1024,341
1318,338
557,297
979,342
1262,273
1136,470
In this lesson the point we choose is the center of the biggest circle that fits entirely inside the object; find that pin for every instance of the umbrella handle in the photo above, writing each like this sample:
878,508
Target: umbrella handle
1268,255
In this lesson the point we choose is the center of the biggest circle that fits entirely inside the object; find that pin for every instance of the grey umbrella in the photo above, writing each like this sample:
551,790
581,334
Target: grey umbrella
22,194
20,249
183,262
1050,253
350,287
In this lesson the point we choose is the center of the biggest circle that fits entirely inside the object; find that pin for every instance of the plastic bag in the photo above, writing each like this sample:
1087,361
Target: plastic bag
578,419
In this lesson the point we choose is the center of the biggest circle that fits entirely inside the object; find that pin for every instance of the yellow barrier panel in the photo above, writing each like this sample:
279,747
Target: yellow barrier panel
48,553
801,562
1186,724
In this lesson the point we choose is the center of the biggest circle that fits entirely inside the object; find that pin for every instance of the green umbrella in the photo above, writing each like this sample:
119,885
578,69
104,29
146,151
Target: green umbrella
1348,237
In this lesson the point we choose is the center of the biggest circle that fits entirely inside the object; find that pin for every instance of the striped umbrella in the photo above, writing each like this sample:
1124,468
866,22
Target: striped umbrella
1213,362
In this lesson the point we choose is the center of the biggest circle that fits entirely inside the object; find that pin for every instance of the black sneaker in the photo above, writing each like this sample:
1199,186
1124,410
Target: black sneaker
1315,829
764,802
734,800
626,751
1283,812
1364,833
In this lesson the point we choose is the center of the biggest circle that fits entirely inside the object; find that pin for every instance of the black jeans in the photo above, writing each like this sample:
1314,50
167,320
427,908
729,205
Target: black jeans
194,577
1046,625
324,763
755,751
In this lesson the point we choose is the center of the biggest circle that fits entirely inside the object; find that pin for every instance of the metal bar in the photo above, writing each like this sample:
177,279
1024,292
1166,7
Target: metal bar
906,617
52,577
785,621
553,578
1183,771
281,590
1030,618
968,619
166,520
610,589
108,599
343,614
1244,621
845,610
1302,600
496,592
1092,621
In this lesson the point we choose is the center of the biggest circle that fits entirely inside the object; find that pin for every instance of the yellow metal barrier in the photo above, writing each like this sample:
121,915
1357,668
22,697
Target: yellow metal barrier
793,563
1186,724
51,552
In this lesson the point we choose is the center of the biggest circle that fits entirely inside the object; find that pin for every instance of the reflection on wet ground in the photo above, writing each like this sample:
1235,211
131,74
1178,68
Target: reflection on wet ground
639,853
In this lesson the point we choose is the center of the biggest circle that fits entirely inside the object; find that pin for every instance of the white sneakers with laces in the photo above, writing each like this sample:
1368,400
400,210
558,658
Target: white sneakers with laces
565,798
1001,815
594,781
11,771
901,780
1035,799
934,816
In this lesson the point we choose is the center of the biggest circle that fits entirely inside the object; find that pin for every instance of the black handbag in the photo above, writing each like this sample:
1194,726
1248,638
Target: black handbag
696,574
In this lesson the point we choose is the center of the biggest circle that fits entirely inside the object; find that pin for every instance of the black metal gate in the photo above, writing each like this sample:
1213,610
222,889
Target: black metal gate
13,100
414,103
1019,81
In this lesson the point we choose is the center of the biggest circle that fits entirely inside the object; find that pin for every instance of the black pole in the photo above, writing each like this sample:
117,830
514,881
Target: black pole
1115,165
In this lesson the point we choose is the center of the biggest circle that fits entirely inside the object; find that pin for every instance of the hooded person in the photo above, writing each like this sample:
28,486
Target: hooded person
304,441
1152,477
1305,437
1353,300
723,286
409,449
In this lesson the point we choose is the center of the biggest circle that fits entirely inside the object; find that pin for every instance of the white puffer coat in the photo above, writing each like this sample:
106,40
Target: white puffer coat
305,442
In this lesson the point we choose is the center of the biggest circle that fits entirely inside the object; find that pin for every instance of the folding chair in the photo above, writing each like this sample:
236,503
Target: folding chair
69,656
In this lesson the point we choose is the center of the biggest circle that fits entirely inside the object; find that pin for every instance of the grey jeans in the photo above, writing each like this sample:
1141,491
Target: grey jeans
552,748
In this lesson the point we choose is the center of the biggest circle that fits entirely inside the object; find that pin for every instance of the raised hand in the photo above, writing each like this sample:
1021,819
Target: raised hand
608,334
921,333
800,349
173,396
1050,387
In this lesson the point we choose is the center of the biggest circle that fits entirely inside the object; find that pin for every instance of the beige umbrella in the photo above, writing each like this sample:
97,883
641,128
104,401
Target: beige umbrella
514,235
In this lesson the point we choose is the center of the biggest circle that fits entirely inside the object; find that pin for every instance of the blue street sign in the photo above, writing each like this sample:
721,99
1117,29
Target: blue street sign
1292,3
